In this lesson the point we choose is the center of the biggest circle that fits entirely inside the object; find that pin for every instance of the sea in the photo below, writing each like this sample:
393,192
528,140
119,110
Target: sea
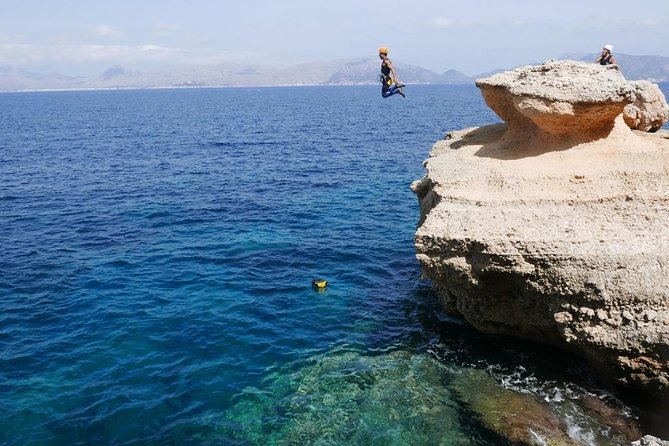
158,249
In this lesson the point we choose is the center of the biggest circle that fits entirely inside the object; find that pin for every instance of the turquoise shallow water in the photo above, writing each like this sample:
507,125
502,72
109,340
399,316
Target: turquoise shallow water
158,249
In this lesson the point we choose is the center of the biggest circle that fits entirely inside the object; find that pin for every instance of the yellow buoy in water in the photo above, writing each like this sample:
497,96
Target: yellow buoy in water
319,283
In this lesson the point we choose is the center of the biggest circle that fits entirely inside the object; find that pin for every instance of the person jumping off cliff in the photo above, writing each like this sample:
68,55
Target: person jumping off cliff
389,84
606,58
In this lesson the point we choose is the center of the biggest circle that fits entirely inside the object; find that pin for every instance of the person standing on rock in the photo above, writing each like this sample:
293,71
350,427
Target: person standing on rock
606,58
388,77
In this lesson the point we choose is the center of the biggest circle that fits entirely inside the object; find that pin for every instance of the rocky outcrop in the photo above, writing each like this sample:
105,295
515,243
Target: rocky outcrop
649,111
554,226
649,440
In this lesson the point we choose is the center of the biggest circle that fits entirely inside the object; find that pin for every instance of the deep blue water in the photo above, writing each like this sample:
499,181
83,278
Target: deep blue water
158,248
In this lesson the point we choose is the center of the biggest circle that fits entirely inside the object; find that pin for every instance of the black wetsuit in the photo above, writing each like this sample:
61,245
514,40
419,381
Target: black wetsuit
606,60
387,87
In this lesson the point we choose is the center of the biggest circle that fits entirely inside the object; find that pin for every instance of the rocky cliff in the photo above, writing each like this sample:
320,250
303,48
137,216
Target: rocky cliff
554,226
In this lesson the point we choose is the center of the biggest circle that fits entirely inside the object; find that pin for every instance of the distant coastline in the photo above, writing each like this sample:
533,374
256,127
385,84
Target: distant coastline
337,72
205,87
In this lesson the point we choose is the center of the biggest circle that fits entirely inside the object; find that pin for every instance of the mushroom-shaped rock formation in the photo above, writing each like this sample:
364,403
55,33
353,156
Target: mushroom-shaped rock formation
557,104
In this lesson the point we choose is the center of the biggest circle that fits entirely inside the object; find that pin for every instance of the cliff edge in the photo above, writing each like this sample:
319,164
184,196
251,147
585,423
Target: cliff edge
554,226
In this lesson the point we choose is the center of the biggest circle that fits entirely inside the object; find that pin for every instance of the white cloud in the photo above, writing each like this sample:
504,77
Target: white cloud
25,54
441,23
108,32
165,29
88,59
656,22
444,22
18,38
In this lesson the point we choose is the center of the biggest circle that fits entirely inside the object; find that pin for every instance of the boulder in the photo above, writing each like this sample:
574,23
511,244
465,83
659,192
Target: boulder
554,226
649,111
649,440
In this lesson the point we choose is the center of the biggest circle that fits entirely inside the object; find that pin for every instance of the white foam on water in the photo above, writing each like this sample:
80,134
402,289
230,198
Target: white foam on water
578,433
539,439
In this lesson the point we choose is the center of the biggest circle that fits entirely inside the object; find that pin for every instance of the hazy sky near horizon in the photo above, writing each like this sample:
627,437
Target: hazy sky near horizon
80,37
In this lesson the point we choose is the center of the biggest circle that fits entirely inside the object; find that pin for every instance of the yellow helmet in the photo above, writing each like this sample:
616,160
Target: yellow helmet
383,50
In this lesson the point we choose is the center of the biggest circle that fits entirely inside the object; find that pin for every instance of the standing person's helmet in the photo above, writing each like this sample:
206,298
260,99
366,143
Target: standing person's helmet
383,50
608,47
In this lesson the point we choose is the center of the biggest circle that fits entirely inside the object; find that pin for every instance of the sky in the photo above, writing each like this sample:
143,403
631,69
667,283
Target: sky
86,37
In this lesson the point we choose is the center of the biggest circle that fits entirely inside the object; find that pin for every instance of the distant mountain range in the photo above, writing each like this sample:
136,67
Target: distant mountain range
336,72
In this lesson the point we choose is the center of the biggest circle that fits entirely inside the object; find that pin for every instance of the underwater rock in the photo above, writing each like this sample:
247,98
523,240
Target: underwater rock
518,418
402,398
610,416
521,418
346,398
